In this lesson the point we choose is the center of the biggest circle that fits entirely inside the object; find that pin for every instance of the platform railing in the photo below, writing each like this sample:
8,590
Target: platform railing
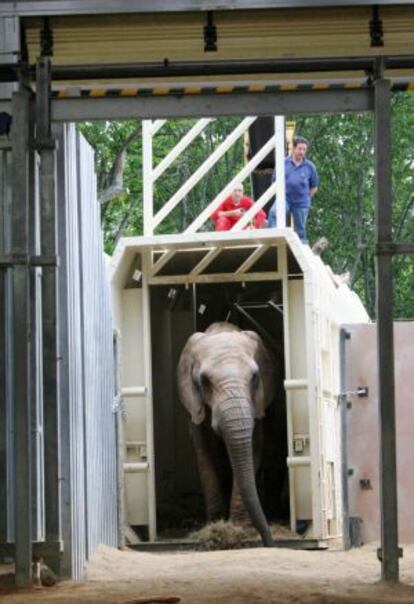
151,173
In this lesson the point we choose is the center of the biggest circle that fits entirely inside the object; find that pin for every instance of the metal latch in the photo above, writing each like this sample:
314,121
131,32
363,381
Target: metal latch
361,392
300,442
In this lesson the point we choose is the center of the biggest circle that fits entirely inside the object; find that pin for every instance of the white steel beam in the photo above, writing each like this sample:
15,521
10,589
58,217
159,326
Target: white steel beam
280,171
244,172
254,256
251,212
147,126
133,391
204,262
157,266
156,125
180,147
297,461
202,170
296,384
149,406
283,267
137,467
215,278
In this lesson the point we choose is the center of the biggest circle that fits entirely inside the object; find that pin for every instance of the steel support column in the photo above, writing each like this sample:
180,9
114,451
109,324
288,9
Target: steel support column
389,553
48,210
4,241
21,380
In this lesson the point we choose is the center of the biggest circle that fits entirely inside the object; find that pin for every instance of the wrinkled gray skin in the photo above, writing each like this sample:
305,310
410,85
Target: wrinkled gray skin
230,372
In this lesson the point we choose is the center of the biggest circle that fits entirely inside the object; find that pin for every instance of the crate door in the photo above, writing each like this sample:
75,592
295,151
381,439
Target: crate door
327,389
136,392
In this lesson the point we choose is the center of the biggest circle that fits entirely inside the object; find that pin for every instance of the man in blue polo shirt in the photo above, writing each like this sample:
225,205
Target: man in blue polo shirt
301,182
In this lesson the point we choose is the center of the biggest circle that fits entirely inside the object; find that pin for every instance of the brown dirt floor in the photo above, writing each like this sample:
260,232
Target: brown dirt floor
248,575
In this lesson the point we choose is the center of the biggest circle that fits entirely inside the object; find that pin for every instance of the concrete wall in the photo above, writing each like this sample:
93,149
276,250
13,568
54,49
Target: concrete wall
363,442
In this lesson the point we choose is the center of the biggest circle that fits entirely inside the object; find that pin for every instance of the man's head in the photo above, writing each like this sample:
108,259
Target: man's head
300,146
237,193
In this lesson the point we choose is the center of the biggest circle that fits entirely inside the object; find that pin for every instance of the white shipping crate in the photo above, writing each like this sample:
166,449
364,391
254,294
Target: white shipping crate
314,303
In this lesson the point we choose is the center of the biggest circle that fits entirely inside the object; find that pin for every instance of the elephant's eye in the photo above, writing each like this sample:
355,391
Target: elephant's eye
204,380
255,379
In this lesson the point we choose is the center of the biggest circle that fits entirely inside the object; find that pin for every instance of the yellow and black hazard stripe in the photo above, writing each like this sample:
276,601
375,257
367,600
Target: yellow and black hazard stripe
133,91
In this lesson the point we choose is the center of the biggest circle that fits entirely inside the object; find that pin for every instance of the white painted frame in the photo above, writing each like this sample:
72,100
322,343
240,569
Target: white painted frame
151,173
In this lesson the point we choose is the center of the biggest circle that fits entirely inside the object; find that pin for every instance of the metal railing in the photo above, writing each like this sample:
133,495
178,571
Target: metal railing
151,173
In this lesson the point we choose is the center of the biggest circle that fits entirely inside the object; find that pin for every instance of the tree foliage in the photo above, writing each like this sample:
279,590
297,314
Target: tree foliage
343,209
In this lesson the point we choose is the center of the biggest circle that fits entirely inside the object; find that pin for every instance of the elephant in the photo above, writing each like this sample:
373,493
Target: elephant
226,380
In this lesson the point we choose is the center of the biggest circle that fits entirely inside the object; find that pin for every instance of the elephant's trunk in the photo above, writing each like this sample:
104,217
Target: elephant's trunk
236,425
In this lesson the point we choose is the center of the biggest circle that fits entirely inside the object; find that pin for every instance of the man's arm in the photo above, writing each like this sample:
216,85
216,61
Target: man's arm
236,212
313,181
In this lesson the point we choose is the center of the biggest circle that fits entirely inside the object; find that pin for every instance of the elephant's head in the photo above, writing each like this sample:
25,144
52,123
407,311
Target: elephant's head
231,372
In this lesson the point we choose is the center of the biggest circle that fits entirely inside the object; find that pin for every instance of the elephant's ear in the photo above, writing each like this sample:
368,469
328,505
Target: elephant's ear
267,368
189,394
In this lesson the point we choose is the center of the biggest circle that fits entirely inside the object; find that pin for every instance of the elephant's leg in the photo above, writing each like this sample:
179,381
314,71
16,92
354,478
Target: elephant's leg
238,512
207,464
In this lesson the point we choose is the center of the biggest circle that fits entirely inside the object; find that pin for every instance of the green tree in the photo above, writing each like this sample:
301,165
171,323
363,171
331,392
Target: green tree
343,210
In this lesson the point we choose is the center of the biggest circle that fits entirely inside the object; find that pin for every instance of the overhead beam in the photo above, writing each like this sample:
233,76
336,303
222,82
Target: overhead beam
209,105
174,69
84,7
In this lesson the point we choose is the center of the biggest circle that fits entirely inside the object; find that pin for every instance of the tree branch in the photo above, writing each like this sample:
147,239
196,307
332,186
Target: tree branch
115,186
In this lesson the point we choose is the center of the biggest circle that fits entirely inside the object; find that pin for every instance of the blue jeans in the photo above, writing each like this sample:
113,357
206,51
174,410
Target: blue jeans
300,217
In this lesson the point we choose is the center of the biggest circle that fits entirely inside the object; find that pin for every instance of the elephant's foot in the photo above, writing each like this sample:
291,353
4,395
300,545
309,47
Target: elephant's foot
238,513
215,509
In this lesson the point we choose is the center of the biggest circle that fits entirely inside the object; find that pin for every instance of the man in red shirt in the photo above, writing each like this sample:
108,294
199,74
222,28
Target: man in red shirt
233,208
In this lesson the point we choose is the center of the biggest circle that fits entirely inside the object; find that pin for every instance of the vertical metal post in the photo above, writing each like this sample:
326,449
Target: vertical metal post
21,340
346,537
149,407
280,171
48,221
385,337
4,224
147,177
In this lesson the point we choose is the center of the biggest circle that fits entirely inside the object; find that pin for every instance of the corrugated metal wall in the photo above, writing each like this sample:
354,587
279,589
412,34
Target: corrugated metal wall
98,359
89,457
87,443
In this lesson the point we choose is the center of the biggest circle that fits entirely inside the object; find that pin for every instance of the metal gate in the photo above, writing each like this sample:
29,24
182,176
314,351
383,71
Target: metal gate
85,446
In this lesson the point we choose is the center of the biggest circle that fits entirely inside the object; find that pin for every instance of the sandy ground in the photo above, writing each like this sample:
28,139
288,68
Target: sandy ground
249,575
